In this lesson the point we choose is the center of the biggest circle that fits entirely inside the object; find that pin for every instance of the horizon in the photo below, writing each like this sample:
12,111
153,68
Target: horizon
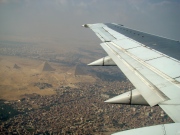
59,22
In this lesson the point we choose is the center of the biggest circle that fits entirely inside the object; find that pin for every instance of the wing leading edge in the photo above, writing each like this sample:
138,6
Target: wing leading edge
150,62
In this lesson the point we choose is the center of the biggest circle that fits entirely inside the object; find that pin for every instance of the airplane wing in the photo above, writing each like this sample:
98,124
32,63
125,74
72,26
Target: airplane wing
150,62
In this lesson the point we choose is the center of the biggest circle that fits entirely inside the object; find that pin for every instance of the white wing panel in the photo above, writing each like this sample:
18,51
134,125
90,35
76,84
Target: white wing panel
166,65
102,39
105,35
172,111
153,58
169,89
144,53
97,25
164,129
178,79
126,43
114,33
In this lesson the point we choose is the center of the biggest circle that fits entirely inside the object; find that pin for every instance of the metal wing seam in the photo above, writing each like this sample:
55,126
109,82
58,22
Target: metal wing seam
109,33
173,81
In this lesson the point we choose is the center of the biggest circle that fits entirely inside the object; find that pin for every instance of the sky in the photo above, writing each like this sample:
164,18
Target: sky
59,21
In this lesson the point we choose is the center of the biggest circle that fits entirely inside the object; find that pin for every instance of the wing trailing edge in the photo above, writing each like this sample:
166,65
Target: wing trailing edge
152,95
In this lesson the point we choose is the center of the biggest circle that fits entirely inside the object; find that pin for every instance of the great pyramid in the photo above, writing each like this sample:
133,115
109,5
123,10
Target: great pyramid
46,67
16,66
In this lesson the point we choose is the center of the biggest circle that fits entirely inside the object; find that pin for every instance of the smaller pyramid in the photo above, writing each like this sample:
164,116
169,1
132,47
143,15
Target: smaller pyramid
16,66
47,67
80,70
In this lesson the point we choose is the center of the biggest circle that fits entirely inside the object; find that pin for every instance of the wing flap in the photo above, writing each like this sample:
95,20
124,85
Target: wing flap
172,111
147,90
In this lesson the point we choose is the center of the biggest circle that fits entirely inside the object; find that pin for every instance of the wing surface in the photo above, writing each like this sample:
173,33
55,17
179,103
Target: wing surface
165,129
150,62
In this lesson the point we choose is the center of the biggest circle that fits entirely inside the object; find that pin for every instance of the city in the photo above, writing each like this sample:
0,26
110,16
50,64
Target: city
75,105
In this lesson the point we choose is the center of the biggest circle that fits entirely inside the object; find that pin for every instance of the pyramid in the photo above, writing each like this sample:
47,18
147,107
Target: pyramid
71,70
16,66
47,67
80,70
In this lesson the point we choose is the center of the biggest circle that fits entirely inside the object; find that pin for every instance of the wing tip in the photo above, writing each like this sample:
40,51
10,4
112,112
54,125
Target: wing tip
85,25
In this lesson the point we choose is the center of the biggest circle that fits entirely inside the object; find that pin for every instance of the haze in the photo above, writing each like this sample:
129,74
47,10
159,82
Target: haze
46,86
59,21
